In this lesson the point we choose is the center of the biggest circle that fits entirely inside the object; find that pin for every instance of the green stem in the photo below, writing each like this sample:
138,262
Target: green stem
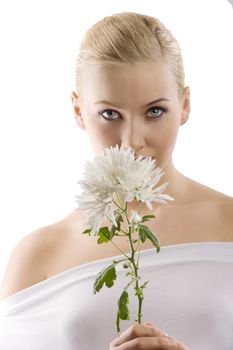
140,299
126,256
117,204
118,261
120,250
138,250
135,267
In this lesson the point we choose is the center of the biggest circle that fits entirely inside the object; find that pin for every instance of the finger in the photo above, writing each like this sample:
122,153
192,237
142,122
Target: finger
136,331
149,324
152,343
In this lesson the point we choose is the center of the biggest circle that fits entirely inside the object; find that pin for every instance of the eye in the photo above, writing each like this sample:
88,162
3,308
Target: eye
156,112
108,114
153,113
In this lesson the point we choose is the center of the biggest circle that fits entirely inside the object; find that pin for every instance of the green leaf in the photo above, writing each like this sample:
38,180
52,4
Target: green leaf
145,231
119,219
114,228
88,231
118,322
148,217
123,306
142,234
107,276
104,235
123,310
112,232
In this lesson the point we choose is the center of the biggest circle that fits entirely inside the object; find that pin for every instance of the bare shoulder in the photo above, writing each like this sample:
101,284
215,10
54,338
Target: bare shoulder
29,261
218,204
198,192
224,217
226,212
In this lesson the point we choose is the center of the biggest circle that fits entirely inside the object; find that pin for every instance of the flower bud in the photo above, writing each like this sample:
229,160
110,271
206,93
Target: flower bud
126,265
135,218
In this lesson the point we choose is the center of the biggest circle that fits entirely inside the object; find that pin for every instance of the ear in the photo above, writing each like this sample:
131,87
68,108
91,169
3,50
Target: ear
185,105
77,110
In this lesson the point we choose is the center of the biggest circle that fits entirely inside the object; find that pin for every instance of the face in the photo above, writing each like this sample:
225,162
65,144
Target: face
134,105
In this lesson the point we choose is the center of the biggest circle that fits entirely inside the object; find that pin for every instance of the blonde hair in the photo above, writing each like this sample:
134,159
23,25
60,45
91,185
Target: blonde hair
129,38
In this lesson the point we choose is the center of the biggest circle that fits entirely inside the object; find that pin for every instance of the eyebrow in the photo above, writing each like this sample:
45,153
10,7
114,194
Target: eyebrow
148,104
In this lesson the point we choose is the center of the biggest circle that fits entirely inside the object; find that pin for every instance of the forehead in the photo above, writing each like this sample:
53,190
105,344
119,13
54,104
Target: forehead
128,80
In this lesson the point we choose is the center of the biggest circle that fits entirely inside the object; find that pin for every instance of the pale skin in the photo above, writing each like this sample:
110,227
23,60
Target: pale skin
128,91
146,337
198,214
131,89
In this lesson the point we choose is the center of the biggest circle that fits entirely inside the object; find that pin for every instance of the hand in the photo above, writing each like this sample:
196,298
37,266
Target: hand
145,337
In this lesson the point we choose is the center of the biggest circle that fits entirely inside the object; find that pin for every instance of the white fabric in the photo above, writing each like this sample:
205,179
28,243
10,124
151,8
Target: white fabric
189,296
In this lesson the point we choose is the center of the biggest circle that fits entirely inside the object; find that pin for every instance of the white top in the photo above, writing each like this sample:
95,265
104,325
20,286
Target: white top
189,296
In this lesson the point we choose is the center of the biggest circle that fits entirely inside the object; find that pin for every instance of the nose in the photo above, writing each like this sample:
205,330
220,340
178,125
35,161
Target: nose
133,134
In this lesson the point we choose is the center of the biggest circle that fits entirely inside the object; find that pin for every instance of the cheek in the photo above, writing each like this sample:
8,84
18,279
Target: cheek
101,135
163,141
105,133
165,135
172,133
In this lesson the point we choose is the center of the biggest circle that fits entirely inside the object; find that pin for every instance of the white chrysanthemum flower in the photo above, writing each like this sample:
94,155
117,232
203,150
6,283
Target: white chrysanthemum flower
117,176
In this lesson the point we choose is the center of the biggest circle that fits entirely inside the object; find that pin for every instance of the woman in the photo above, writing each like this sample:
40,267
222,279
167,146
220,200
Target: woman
130,91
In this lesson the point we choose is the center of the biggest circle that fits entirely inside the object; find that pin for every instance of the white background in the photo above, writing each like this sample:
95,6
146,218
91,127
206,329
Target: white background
42,149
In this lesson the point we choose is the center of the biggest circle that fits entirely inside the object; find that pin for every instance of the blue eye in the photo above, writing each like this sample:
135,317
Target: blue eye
152,113
156,112
109,114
